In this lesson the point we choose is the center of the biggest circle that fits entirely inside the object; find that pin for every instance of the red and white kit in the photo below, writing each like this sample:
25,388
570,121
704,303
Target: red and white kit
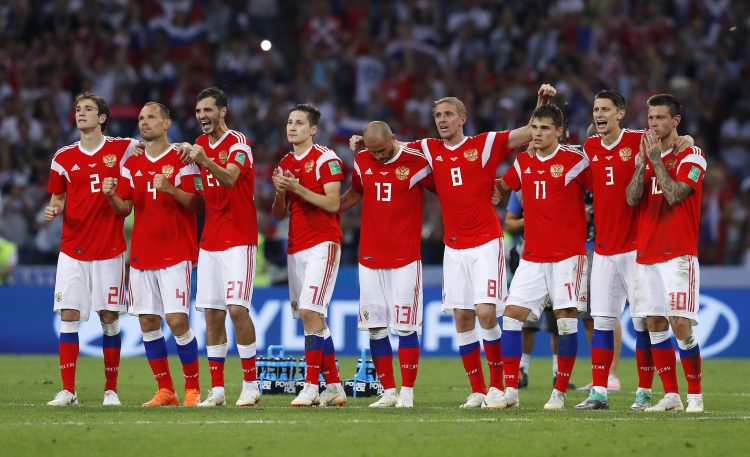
554,258
228,245
613,267
464,175
668,275
91,266
314,234
390,267
164,244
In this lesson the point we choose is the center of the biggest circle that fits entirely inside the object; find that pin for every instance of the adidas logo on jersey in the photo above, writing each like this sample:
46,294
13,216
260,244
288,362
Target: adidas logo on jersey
75,168
527,171
138,173
439,158
595,159
368,172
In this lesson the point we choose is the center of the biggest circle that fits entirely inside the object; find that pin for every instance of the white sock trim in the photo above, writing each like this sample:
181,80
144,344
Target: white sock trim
152,335
404,332
525,361
182,340
567,326
492,334
605,323
326,333
639,324
658,337
512,324
247,351
217,350
378,334
68,326
469,337
111,329
688,343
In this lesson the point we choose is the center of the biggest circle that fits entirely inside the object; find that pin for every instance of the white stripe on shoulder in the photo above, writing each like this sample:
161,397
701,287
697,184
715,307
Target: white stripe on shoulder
426,151
186,170
125,172
413,151
65,148
578,167
356,165
418,176
487,150
517,167
326,155
694,159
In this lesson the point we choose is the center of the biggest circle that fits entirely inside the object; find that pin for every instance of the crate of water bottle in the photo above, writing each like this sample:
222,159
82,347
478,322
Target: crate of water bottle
365,382
276,372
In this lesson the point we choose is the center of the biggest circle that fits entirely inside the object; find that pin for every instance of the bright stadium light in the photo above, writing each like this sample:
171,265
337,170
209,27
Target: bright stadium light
265,45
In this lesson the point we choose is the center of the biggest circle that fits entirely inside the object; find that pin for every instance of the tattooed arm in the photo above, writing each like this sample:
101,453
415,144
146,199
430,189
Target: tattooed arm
674,192
634,191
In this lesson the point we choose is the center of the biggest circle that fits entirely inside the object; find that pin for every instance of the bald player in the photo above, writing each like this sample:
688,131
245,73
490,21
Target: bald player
389,179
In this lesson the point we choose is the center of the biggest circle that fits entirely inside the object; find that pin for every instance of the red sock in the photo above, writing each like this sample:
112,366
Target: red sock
249,372
111,367
329,369
384,370
691,365
564,369
68,360
160,368
216,368
472,361
644,361
665,362
409,360
601,361
494,353
190,370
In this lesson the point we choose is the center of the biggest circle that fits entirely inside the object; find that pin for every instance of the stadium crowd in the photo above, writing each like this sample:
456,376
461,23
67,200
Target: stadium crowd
358,61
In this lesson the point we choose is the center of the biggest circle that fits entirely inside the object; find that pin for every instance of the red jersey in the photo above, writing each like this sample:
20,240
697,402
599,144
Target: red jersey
391,228
612,167
231,219
91,229
666,232
554,213
308,224
164,233
464,177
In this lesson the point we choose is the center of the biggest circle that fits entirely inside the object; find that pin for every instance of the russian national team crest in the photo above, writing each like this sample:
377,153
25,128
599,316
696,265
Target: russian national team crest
58,297
625,154
556,170
366,314
402,173
167,171
309,166
294,305
471,155
223,156
670,163
110,160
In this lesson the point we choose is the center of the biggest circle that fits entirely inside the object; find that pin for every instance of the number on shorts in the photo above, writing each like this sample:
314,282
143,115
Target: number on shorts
456,176
678,301
315,293
113,297
235,285
569,286
492,288
95,183
403,314
181,295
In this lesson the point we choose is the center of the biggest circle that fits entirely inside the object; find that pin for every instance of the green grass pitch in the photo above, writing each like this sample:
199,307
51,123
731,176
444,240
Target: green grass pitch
436,426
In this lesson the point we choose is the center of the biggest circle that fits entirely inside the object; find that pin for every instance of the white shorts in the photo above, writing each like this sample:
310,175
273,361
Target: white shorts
612,284
312,276
391,298
83,284
162,291
668,289
225,277
473,276
563,282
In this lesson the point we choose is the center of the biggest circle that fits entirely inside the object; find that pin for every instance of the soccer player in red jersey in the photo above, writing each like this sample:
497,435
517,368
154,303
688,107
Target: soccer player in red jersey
612,154
91,266
388,179
308,187
474,283
553,264
165,194
228,246
667,184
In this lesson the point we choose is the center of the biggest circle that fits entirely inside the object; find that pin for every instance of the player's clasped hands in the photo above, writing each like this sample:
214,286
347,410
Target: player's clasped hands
109,185
198,155
650,142
162,184
284,181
